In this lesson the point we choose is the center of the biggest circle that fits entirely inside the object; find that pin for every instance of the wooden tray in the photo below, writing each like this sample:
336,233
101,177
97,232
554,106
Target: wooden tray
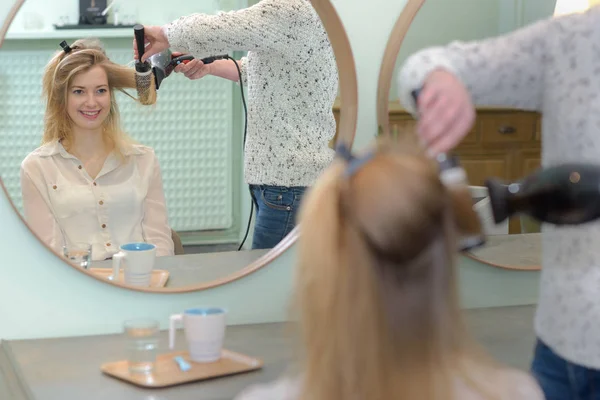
167,373
159,277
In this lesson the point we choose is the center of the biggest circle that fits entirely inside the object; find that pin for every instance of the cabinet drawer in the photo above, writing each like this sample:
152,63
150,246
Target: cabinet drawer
406,124
406,127
481,165
507,127
526,162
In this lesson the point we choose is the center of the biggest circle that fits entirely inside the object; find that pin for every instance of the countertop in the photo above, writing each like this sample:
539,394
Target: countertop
522,251
69,368
190,269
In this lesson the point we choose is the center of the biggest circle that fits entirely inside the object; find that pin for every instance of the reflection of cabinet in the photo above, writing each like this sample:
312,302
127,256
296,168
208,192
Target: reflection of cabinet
503,143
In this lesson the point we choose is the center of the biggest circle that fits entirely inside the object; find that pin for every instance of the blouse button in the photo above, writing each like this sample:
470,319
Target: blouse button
104,225
95,184
54,187
108,244
100,202
80,167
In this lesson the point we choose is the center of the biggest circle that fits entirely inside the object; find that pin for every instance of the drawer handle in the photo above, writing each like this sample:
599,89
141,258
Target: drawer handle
507,130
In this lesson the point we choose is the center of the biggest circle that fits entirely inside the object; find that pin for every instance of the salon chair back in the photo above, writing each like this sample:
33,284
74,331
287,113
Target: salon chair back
177,242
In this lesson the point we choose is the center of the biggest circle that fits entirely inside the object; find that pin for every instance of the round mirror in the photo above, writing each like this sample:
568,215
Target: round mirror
207,193
503,143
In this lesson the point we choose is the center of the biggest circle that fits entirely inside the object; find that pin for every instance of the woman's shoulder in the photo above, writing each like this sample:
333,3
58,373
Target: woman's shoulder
500,382
40,153
521,385
136,149
285,388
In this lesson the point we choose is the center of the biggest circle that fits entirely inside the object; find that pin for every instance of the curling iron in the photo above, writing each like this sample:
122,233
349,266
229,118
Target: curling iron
453,175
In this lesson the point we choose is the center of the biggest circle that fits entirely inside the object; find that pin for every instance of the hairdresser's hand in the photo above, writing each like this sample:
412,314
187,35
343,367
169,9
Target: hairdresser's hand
155,41
446,112
194,69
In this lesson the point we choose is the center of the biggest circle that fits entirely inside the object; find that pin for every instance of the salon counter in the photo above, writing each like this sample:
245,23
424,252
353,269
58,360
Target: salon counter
69,368
190,269
519,252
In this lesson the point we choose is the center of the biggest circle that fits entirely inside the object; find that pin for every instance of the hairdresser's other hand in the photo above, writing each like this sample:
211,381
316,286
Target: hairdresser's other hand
194,69
446,112
155,41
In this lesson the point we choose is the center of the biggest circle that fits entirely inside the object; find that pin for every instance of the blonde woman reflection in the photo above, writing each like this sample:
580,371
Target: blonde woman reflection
376,292
88,182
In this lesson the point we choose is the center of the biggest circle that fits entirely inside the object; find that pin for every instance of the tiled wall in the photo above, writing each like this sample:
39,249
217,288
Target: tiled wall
190,129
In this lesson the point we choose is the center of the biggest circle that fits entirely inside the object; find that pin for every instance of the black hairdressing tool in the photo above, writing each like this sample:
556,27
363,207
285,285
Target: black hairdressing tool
566,194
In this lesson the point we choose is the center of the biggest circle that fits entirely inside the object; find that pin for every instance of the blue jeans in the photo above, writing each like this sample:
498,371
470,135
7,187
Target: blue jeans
276,210
561,379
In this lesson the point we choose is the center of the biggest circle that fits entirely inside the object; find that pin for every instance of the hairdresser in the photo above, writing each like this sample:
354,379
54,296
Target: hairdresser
551,67
292,79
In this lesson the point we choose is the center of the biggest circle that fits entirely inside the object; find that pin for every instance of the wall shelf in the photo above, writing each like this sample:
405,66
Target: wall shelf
70,34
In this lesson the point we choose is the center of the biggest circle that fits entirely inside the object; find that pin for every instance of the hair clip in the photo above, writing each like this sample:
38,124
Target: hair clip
354,163
343,151
65,47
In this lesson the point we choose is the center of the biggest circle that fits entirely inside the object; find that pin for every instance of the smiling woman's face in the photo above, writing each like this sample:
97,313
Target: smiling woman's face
88,101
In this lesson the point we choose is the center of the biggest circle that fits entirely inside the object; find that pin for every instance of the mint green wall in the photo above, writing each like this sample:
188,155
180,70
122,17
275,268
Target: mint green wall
441,21
533,10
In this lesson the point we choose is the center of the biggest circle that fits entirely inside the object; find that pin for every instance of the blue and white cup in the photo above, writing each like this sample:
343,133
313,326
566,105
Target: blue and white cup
137,261
204,332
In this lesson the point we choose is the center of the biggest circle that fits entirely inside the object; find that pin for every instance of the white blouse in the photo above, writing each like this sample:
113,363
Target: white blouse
124,204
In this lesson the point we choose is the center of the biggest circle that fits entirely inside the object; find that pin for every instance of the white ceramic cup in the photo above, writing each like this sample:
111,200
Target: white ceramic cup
137,260
204,332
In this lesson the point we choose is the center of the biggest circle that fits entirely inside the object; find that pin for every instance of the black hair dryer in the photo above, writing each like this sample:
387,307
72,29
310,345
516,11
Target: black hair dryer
164,63
566,194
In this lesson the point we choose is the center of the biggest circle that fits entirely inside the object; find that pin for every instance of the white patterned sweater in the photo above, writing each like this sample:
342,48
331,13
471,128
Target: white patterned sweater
552,66
292,80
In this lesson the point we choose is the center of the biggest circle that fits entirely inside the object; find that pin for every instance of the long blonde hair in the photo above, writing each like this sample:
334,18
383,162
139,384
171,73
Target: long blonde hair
376,287
58,76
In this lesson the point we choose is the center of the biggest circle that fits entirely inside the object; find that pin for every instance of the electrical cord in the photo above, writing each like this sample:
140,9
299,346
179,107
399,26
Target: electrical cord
209,60
244,144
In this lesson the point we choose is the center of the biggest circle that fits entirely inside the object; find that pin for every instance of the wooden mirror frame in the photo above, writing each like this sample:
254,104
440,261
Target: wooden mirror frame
384,83
348,88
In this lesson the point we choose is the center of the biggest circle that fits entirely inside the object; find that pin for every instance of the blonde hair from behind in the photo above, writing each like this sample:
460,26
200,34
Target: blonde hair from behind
58,76
376,288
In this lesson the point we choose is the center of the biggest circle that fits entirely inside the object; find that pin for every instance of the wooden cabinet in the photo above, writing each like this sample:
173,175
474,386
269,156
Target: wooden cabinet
503,143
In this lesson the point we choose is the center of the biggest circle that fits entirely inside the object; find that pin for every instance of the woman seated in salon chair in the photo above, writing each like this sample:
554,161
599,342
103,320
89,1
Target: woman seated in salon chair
89,182
376,292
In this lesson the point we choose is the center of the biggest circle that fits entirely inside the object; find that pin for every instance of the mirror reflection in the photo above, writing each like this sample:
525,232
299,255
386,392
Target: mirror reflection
112,178
504,142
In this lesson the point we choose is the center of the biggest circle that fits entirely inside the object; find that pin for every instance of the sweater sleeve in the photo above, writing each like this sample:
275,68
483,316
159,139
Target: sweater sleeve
507,70
265,26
